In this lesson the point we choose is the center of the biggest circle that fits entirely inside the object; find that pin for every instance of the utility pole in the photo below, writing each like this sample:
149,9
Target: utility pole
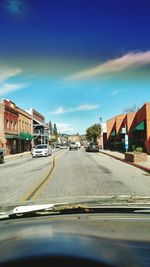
101,137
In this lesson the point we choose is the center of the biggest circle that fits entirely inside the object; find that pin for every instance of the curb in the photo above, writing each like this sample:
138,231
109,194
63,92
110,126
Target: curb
17,157
127,162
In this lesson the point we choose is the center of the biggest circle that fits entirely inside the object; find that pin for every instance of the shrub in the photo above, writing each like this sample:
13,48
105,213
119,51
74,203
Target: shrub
139,149
133,148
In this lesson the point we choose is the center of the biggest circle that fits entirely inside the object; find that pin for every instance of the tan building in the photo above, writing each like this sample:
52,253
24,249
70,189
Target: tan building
24,130
74,138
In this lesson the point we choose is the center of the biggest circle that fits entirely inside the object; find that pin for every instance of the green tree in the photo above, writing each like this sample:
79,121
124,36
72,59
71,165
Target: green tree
93,132
55,131
51,128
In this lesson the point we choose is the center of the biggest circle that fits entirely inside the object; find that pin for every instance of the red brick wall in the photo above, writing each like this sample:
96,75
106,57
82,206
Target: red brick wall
38,116
147,143
111,125
10,122
119,122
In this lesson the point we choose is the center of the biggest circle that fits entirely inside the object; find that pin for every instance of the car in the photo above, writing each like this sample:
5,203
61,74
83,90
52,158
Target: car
58,145
78,144
73,146
63,146
1,155
41,150
92,147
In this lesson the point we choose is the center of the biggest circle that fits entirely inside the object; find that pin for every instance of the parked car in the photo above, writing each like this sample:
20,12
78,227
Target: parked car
92,147
63,146
73,146
42,150
1,155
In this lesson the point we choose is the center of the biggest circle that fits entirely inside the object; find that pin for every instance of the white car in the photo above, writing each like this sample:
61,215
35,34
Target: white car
63,146
41,150
78,144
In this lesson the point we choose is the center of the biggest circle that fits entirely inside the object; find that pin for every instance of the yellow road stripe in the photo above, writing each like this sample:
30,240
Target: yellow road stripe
34,193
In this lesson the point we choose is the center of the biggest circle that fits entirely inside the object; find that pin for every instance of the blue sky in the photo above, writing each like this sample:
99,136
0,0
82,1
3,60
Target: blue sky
75,60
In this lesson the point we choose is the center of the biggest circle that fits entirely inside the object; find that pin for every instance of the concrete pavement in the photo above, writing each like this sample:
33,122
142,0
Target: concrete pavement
66,174
145,165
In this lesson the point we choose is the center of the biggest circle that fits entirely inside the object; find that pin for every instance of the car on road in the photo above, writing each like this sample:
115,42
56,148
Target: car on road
63,146
41,150
1,155
73,146
58,145
92,147
78,145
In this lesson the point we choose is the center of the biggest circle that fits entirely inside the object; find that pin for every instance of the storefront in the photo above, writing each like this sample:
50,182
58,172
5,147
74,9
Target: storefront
25,141
11,144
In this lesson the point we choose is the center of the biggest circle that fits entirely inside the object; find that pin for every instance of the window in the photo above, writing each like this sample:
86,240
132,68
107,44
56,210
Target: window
11,125
7,123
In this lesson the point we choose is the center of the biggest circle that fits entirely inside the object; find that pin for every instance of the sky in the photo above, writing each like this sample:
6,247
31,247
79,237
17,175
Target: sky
75,61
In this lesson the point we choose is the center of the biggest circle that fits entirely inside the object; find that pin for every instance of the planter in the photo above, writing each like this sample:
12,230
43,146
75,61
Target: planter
135,157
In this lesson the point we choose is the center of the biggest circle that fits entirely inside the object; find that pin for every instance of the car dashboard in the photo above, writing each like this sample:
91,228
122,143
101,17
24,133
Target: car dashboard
76,240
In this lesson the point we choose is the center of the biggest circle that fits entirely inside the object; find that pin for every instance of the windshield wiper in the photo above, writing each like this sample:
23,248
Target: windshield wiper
106,204
65,208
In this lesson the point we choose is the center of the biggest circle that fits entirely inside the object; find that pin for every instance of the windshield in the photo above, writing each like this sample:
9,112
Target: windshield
41,147
74,101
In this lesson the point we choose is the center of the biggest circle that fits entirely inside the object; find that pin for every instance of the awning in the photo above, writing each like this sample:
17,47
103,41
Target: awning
25,136
11,136
139,127
113,133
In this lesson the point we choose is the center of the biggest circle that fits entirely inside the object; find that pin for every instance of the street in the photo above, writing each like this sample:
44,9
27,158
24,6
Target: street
69,174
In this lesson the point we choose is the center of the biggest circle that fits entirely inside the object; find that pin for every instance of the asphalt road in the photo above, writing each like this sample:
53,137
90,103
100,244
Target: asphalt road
69,174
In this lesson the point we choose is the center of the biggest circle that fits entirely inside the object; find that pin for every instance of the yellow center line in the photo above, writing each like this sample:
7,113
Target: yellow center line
36,190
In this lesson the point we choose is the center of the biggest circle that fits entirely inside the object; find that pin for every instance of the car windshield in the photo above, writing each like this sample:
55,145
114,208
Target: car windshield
74,101
41,147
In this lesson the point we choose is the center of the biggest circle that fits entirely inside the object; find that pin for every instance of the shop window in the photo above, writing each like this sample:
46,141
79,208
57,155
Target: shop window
20,125
15,125
11,125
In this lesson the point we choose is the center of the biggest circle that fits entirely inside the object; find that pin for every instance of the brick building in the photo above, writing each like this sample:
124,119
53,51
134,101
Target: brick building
9,126
135,124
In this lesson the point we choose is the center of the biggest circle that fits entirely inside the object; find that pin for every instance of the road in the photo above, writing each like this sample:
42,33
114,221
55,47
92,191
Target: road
69,174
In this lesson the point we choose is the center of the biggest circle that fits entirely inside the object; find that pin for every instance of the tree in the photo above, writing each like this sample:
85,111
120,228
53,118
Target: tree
51,128
132,108
93,132
55,131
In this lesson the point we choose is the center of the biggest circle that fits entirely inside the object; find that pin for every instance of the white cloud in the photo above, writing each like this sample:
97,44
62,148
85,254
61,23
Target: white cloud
5,74
65,128
116,92
128,61
85,107
7,88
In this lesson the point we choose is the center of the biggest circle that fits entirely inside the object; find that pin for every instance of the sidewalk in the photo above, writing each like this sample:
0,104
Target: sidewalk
145,165
18,155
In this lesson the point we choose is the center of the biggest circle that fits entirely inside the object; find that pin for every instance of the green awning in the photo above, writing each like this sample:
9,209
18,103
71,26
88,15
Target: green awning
25,136
139,127
113,133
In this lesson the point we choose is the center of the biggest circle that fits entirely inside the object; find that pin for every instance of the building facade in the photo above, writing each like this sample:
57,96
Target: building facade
40,129
136,125
9,126
24,130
